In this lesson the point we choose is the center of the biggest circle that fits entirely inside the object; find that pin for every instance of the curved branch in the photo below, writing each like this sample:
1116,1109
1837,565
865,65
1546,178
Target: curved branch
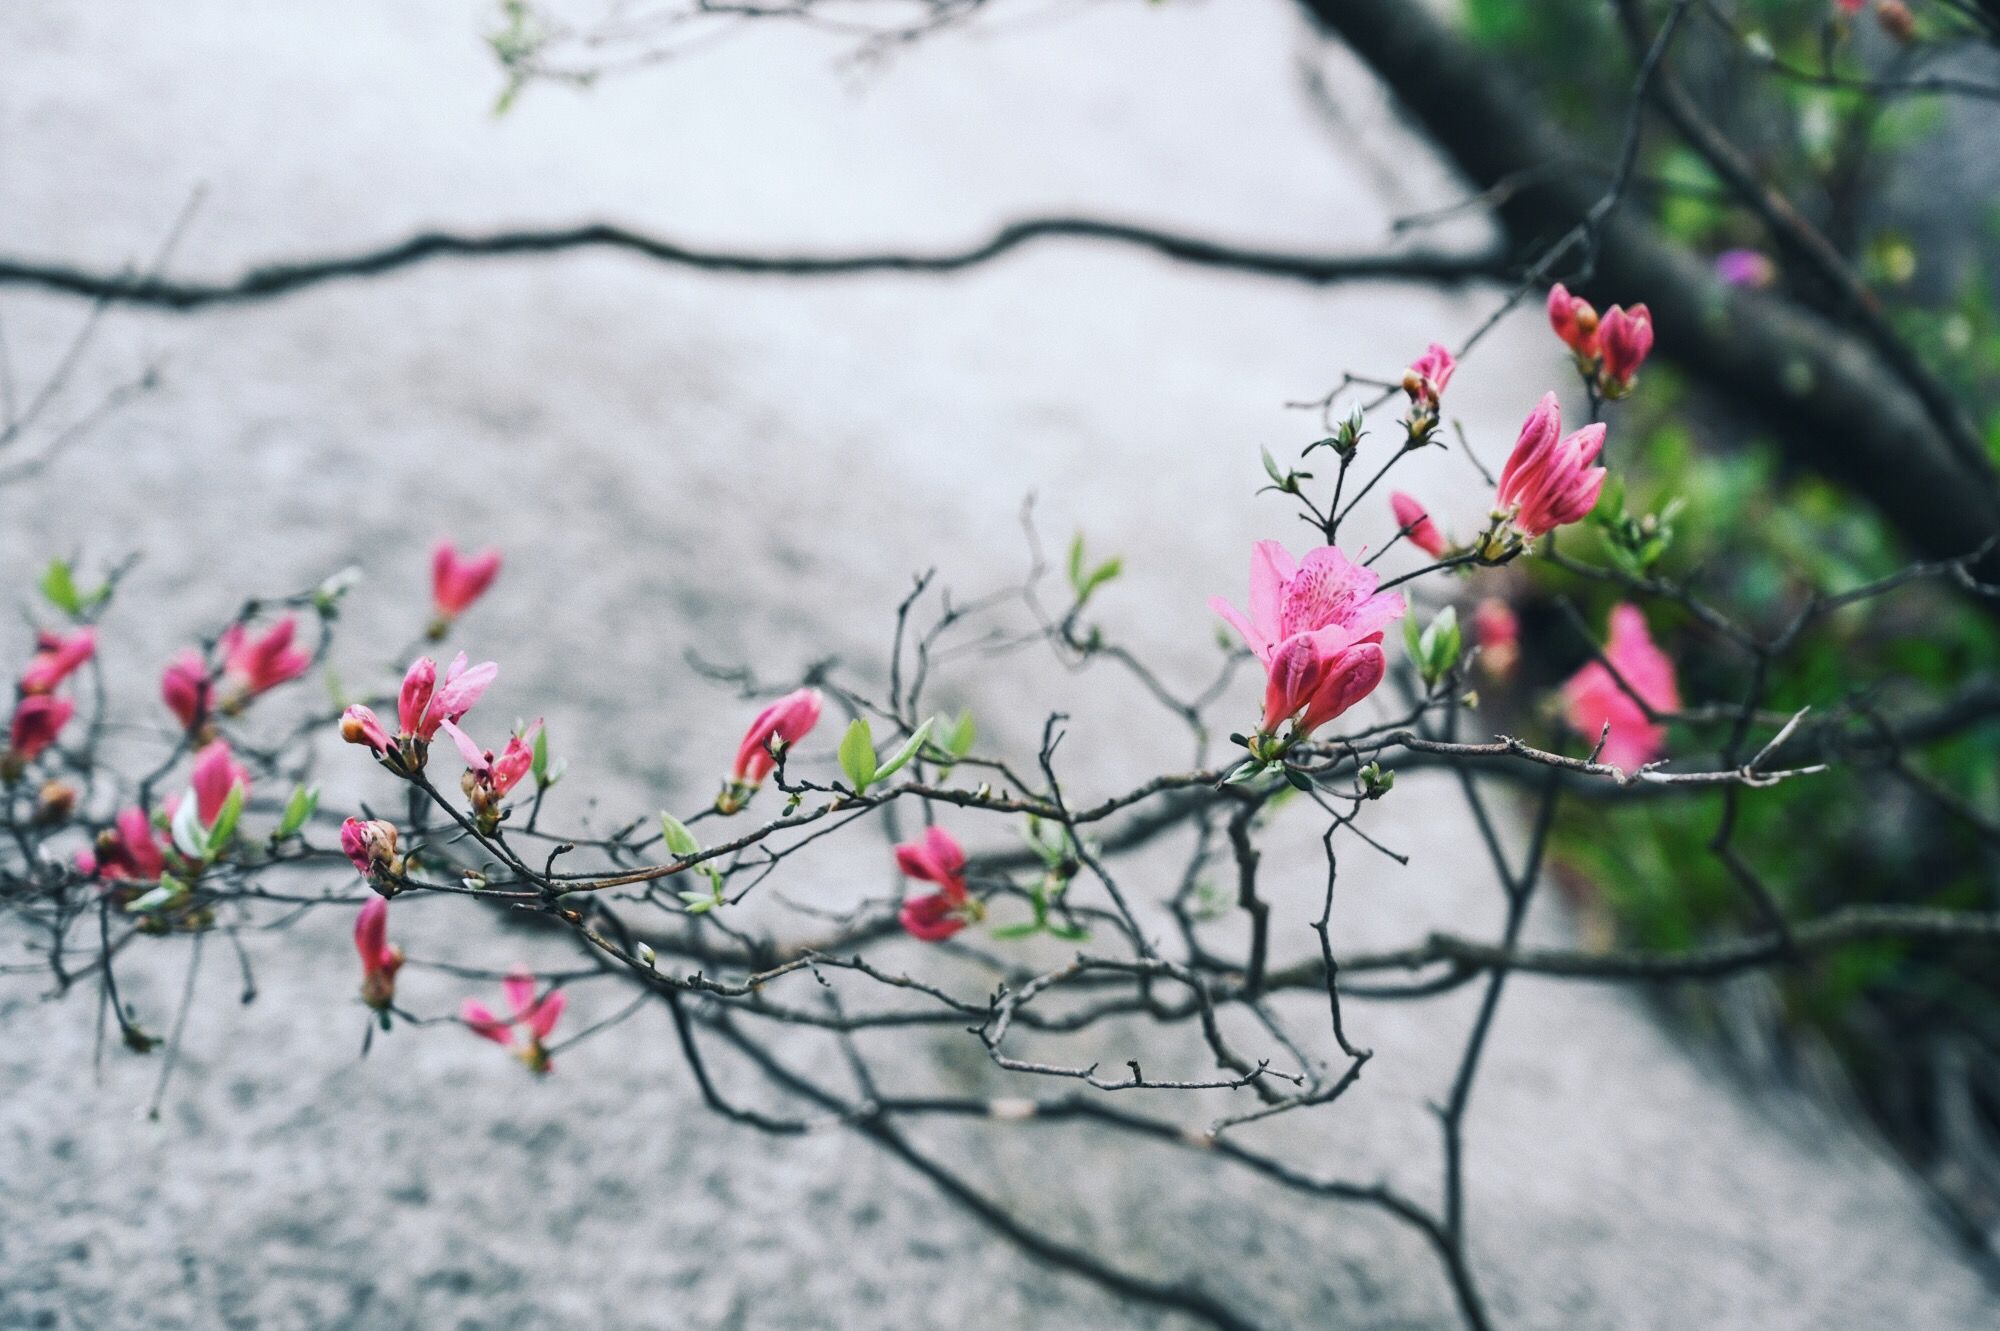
271,280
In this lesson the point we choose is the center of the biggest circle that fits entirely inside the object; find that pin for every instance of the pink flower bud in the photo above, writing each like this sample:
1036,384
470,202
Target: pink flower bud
370,844
1549,481
216,773
1415,523
38,719
1426,378
255,664
1575,321
379,960
55,658
1499,637
424,703
789,720
1625,336
184,686
125,850
931,918
459,580
360,725
1595,698
535,1017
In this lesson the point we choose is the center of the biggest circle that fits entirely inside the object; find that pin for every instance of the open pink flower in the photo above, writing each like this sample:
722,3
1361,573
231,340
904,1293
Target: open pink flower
56,656
255,664
535,1016
216,773
380,960
184,686
126,850
370,845
422,706
38,719
1549,481
789,719
1426,378
935,858
459,580
1414,522
1575,321
489,778
1316,624
1625,338
1594,697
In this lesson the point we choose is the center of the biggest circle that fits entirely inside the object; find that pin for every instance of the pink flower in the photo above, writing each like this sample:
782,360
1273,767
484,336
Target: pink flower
379,959
1595,698
216,773
1499,636
370,844
55,658
1426,378
1851,6
422,706
1548,481
184,685
1316,624
38,719
936,858
488,779
124,851
1415,523
1625,338
1575,321
459,580
257,664
1746,268
537,1016
789,719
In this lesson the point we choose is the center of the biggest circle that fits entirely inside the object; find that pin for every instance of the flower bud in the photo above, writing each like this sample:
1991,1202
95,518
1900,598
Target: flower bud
1895,19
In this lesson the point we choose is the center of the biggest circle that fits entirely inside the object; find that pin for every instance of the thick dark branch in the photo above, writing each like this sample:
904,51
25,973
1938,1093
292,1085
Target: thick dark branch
277,279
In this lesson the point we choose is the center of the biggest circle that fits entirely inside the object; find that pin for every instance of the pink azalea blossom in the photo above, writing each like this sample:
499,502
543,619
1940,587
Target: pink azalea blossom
935,858
216,773
1625,338
535,1016
1594,697
255,664
184,685
1549,481
1575,321
370,845
55,658
38,719
422,707
1316,624
459,580
1427,377
1415,523
126,850
380,960
1499,635
790,719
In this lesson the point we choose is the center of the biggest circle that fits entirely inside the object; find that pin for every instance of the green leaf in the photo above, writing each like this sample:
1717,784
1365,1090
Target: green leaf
302,805
962,737
1009,932
680,842
170,891
540,763
857,755
903,755
1100,575
1271,468
226,819
59,586
1076,563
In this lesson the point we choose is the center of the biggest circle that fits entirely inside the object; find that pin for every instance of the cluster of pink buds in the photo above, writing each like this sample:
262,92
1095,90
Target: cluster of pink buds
39,715
423,706
1413,521
1549,480
126,850
936,858
457,581
1638,680
772,731
1316,624
1609,349
370,844
1425,383
380,960
488,778
536,1017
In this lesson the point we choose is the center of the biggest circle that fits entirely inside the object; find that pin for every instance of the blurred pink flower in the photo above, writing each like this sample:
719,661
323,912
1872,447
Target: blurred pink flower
255,664
536,1017
1594,697
935,858
55,658
184,686
126,850
1625,338
1415,522
1499,636
216,773
790,719
1746,268
1575,321
38,719
459,580
379,959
